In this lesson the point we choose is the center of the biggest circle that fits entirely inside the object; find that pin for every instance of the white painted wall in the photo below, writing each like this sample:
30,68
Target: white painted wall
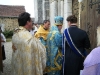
36,10
67,11
43,9
59,7
53,11
64,9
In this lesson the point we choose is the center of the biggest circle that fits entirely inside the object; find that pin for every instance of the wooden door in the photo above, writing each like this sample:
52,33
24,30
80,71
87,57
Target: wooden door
89,18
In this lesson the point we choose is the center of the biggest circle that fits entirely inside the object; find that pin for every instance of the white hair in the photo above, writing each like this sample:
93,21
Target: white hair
98,36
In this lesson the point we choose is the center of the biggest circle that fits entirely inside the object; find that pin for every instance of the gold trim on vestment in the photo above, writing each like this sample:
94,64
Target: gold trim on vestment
58,67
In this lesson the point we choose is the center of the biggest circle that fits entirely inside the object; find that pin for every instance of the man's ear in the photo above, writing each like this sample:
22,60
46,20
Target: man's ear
27,22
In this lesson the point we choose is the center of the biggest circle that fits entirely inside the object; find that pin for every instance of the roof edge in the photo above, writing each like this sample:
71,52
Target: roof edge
8,16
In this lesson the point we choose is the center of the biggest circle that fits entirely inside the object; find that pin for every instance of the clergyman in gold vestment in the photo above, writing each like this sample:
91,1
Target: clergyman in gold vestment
29,55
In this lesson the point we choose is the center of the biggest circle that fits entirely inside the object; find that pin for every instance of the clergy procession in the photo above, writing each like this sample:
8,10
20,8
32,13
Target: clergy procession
59,46
50,51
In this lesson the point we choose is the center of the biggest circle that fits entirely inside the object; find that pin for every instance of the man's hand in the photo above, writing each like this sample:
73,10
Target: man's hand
13,47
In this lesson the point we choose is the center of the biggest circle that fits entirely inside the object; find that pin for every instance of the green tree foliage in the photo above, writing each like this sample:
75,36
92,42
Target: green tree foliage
8,33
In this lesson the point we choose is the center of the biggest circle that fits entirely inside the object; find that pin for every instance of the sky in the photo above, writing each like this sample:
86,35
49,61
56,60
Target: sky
29,4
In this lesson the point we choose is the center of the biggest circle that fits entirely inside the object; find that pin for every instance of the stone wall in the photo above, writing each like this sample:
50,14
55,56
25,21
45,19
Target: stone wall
9,23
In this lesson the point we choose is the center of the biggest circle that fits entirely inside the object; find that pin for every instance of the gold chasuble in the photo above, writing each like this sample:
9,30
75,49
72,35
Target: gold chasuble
41,32
29,55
